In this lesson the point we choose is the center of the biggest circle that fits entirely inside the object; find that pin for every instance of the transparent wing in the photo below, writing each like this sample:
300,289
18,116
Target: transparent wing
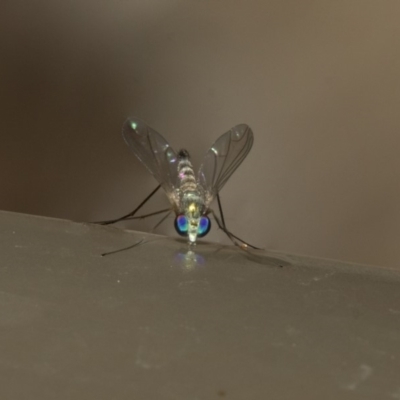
222,159
153,151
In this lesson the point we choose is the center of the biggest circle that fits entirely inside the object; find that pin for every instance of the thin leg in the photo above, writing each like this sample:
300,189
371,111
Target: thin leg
140,241
220,211
221,224
124,248
132,213
150,214
232,237
161,221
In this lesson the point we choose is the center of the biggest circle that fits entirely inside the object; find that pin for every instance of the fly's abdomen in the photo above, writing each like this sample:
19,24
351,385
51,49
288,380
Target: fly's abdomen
185,172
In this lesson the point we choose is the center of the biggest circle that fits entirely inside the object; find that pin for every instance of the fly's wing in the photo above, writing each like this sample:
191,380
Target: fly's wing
154,152
222,159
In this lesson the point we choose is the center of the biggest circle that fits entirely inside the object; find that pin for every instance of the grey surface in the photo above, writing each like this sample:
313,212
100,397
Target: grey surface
149,323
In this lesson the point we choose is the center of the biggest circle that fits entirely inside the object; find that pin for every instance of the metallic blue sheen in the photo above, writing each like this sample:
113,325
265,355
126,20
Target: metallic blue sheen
204,226
181,225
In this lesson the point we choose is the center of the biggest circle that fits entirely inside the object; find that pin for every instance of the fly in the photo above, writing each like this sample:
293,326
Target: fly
190,194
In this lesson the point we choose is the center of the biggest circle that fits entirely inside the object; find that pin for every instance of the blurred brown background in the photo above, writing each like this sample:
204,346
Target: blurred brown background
318,82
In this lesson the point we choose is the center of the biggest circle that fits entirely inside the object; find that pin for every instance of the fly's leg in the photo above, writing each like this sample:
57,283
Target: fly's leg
142,240
150,214
161,220
132,213
221,224
131,216
232,237
124,248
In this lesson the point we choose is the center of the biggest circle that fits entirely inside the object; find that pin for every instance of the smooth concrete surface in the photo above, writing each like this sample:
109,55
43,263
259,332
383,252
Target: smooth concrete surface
157,322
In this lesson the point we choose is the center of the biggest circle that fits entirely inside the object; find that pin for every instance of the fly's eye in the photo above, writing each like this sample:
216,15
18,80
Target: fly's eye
204,226
181,225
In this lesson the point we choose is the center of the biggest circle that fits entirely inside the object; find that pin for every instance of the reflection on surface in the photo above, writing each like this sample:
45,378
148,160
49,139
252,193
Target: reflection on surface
189,259
206,254
262,257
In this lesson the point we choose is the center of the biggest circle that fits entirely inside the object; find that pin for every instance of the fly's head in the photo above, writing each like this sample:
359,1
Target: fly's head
192,223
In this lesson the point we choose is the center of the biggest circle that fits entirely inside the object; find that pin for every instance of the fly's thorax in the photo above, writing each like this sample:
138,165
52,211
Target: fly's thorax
191,195
187,178
192,203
